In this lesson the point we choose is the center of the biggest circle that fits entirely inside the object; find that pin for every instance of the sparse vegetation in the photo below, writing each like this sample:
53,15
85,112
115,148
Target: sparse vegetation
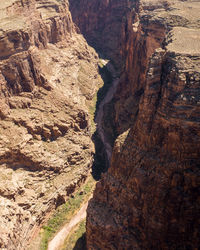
76,239
65,212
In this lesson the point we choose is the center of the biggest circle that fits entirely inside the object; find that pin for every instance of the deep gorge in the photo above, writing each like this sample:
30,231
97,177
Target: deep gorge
149,198
51,55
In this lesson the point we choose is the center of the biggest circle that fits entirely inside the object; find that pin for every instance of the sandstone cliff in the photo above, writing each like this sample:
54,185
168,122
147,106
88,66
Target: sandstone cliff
149,199
48,76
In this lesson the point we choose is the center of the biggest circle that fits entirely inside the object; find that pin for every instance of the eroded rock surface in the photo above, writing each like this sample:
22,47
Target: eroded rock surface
149,199
48,76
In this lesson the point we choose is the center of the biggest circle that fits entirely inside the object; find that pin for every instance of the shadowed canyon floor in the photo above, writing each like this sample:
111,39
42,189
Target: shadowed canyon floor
59,238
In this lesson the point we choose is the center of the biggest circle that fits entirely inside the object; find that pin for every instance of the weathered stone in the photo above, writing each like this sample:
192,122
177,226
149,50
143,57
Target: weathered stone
149,199
41,93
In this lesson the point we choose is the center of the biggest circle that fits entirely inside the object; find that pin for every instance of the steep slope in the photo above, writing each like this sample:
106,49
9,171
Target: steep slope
48,77
103,24
149,199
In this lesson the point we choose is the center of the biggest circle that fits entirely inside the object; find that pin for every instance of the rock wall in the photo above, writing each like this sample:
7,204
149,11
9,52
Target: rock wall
104,24
149,199
48,77
107,26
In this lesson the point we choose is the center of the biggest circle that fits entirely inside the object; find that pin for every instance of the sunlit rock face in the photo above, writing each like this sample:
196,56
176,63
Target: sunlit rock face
149,199
48,77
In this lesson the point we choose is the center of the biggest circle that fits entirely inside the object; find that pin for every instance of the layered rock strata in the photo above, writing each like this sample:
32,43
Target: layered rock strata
149,199
48,77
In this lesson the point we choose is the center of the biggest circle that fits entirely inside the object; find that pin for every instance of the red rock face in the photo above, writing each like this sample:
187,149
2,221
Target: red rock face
149,199
48,77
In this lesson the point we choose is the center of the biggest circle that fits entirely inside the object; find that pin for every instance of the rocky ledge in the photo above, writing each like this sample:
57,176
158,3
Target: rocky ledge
48,77
149,199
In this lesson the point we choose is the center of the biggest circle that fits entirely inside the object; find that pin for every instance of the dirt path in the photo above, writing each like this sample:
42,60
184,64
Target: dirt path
60,237
99,117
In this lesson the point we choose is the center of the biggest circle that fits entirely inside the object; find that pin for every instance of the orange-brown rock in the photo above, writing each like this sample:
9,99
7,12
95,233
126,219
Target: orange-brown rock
48,74
149,199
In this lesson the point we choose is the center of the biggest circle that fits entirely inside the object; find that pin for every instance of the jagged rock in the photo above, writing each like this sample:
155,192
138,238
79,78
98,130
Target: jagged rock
45,68
149,199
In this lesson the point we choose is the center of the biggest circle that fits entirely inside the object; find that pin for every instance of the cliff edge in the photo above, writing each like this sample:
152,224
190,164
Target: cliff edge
149,199
48,77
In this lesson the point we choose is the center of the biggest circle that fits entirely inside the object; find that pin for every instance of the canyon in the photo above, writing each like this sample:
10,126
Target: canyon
149,198
51,55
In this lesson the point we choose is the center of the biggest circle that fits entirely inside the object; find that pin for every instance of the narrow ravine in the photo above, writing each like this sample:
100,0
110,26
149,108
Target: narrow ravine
99,116
60,237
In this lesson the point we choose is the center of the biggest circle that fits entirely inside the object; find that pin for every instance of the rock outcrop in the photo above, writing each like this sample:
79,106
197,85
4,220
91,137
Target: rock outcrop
48,77
149,199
